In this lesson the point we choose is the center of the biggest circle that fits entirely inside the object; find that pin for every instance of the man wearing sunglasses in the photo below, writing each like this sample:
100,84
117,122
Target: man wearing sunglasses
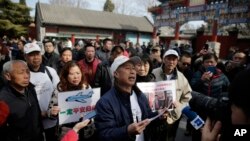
184,65
155,56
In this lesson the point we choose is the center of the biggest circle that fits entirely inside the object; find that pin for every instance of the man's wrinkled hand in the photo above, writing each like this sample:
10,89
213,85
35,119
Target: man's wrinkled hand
137,128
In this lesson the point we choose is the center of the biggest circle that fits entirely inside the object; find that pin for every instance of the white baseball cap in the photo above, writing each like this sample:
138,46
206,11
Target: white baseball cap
120,60
170,52
31,47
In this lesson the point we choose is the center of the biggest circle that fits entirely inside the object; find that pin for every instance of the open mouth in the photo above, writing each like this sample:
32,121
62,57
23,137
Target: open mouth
132,78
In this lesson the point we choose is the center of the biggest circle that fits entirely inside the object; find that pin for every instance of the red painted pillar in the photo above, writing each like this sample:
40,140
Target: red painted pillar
186,3
214,32
73,39
177,29
138,38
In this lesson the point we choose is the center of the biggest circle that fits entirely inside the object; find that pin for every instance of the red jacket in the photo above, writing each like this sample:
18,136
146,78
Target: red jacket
89,69
70,136
4,112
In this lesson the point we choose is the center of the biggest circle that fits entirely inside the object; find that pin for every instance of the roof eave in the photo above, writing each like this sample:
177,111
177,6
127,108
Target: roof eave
88,26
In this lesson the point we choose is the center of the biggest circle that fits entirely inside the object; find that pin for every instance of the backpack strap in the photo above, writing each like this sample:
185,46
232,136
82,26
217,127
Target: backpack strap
49,74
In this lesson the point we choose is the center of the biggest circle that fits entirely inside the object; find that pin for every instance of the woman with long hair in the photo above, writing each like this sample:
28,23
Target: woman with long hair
71,79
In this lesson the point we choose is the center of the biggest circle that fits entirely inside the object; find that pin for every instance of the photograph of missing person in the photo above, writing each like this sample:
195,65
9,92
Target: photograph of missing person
163,99
160,100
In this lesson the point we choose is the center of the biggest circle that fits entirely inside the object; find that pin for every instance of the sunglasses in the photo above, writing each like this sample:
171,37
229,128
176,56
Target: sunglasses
186,64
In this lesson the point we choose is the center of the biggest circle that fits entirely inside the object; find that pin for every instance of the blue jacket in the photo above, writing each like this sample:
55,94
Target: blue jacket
114,115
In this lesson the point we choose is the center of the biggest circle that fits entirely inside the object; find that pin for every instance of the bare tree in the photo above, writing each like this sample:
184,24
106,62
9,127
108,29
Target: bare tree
70,3
122,7
148,3
82,3
133,7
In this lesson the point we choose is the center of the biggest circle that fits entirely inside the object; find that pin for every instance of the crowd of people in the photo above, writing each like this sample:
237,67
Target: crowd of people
32,80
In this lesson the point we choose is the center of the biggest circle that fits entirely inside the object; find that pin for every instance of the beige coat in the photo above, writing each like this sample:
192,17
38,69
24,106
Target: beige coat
183,92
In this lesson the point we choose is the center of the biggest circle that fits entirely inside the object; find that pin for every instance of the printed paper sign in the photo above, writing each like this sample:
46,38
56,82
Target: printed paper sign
160,94
75,104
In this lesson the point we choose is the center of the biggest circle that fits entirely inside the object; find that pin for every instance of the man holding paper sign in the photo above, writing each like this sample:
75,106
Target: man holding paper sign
123,112
167,72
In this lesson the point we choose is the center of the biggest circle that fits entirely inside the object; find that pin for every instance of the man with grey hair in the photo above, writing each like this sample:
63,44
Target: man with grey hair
24,120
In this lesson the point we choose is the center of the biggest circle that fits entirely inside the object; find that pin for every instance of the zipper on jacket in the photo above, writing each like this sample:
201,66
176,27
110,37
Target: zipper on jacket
27,97
209,88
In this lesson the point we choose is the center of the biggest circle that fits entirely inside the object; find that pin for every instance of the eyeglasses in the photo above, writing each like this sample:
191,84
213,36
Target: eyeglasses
186,64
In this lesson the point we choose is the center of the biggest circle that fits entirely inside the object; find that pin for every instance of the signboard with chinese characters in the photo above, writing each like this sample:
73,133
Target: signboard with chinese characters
75,104
197,10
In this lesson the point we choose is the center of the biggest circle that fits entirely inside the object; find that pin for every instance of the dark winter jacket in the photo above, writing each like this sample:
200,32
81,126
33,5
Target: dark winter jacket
103,54
214,87
50,59
103,78
114,115
148,78
24,122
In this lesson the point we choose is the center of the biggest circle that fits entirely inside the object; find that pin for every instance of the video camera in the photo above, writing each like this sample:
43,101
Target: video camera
215,108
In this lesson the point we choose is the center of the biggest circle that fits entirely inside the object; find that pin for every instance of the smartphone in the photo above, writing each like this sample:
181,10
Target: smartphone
89,115
211,69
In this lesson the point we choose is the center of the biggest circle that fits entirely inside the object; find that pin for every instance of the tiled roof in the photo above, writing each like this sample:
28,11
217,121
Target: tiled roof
70,16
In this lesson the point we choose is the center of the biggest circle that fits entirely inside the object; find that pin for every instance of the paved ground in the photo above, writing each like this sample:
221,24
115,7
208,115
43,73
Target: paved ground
181,130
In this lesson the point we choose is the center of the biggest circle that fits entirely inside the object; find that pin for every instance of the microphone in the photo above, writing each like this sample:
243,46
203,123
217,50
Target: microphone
195,120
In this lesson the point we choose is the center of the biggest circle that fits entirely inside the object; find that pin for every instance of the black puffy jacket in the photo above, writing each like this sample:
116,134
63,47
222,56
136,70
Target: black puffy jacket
103,77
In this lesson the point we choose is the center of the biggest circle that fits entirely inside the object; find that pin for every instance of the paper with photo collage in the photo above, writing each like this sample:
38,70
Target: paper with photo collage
159,94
